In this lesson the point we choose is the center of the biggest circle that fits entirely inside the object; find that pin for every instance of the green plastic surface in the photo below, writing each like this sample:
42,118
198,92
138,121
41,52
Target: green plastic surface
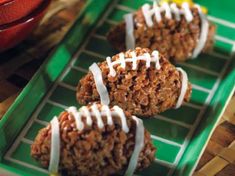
180,135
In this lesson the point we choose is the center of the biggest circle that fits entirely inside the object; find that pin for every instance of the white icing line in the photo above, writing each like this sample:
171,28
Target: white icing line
84,110
148,59
134,63
145,57
106,109
130,39
155,55
102,90
122,60
55,146
173,5
147,15
203,33
139,144
112,72
167,9
77,117
122,116
175,11
187,12
156,11
97,115
184,86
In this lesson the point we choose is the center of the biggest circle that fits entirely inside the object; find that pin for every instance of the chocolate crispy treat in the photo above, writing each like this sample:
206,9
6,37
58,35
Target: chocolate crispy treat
177,32
94,141
140,82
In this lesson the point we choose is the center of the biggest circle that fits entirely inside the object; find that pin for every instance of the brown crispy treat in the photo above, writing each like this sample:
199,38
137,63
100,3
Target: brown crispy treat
142,92
174,39
93,151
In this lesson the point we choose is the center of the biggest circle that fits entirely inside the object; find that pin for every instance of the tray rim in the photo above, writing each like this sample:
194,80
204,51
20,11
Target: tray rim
220,112
35,78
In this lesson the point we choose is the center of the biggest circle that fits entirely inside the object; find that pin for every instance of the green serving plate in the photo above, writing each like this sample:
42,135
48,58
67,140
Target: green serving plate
180,135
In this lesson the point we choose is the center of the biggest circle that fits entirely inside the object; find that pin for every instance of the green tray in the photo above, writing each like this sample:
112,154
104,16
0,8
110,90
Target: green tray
180,135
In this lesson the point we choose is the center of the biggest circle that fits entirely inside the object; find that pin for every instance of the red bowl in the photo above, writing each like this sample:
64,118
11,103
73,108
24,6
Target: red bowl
12,10
13,33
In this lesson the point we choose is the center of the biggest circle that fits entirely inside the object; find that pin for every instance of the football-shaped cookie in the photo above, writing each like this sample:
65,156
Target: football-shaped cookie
95,140
140,81
177,32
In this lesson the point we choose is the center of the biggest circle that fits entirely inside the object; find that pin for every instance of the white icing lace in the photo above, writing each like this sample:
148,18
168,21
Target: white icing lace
203,34
148,12
104,111
145,57
184,86
130,39
101,89
55,146
139,144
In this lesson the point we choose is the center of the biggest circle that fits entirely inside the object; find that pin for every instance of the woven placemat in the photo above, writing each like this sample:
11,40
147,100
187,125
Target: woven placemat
219,156
18,65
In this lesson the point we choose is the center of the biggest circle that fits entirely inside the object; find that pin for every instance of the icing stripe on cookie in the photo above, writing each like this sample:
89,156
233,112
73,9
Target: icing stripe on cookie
203,34
139,144
130,39
184,86
102,90
55,146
